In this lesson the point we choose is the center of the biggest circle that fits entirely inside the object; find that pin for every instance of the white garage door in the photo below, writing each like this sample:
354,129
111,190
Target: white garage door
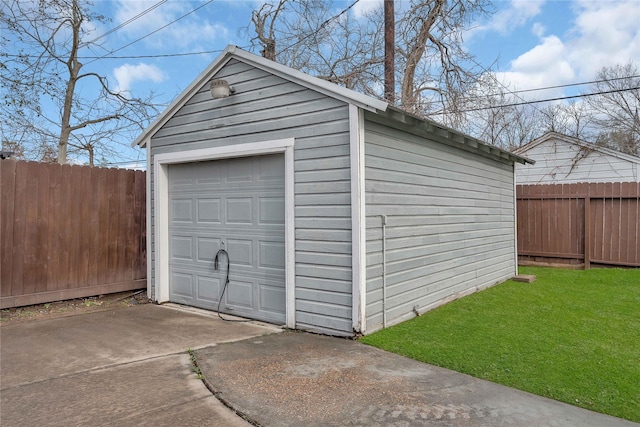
237,205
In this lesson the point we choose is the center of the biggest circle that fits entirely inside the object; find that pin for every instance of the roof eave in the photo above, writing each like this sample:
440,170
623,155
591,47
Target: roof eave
454,137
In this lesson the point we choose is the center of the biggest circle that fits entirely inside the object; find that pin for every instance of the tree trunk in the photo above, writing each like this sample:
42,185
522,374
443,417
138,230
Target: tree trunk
409,97
73,66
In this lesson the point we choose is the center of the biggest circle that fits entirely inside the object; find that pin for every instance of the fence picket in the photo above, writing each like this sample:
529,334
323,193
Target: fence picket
69,232
555,216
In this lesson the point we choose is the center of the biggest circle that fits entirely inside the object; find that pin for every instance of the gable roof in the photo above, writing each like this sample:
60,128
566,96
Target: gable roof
332,90
233,52
575,141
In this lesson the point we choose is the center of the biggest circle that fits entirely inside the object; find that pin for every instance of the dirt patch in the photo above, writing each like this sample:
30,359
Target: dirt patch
73,306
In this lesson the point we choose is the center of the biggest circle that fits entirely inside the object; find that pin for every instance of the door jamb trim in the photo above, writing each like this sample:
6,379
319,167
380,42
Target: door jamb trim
161,164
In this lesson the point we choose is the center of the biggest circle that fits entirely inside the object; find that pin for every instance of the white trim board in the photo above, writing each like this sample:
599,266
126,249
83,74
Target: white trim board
358,219
161,164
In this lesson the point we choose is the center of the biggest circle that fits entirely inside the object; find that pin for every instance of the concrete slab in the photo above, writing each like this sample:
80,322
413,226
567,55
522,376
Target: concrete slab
126,366
295,379
160,391
37,350
525,278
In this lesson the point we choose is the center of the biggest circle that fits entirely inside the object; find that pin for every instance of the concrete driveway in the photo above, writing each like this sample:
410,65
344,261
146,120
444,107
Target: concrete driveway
124,367
130,367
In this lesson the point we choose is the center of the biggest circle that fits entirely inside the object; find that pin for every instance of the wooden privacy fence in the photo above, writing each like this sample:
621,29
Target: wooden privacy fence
584,223
69,232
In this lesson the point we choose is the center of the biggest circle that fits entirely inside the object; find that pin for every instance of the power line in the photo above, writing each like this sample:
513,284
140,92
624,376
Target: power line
324,24
562,86
158,55
129,21
501,84
561,98
153,32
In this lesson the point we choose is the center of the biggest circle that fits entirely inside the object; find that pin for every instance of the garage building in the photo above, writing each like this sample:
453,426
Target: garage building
339,213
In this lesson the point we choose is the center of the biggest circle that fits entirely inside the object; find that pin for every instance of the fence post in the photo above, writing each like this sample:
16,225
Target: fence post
587,231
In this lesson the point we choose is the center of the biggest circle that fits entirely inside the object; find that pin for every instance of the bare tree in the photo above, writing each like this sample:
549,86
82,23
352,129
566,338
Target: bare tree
617,107
44,79
493,114
435,66
264,20
310,36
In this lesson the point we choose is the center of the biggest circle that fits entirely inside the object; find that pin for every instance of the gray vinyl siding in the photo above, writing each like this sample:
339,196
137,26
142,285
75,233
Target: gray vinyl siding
266,107
450,222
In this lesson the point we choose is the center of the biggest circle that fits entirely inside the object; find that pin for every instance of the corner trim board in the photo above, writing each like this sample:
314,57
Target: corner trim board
358,219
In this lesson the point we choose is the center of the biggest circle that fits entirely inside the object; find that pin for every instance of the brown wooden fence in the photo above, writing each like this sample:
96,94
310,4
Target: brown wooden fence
585,223
69,232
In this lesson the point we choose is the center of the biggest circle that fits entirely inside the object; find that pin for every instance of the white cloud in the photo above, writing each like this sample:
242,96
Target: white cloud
600,34
544,65
365,6
127,74
192,30
605,33
517,14
538,29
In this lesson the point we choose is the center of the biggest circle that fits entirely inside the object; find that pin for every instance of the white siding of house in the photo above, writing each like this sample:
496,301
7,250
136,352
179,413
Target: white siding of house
560,162
450,223
266,107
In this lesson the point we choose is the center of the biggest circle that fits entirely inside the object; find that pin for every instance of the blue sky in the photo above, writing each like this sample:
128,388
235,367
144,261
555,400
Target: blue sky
536,43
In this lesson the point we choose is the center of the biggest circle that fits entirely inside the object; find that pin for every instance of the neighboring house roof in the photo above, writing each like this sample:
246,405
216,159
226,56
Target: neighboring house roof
565,159
330,89
571,140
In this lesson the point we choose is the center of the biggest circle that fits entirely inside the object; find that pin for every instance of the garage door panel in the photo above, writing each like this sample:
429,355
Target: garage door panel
208,288
272,298
181,247
271,254
242,250
181,210
271,168
209,210
237,205
182,284
271,210
207,248
207,173
181,176
240,170
239,210
239,294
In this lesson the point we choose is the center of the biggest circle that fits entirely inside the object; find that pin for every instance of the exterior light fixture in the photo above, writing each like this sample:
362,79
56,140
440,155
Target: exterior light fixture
220,89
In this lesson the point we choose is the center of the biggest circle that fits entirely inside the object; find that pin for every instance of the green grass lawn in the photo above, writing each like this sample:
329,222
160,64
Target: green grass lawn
572,335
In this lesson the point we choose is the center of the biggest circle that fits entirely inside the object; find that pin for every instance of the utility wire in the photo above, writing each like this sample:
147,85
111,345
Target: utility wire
324,24
566,85
127,22
153,32
561,98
